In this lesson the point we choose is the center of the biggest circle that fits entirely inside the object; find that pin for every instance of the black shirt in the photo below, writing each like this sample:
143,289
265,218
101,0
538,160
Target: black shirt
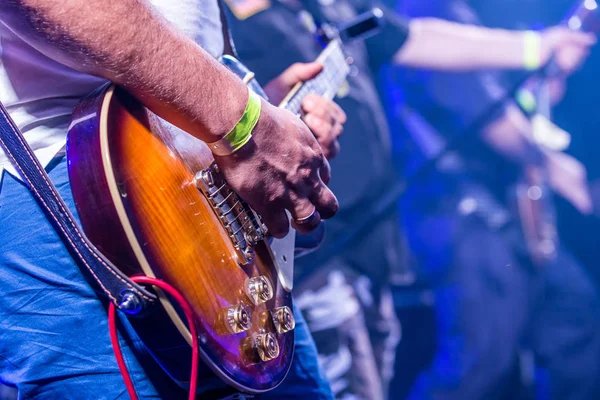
270,41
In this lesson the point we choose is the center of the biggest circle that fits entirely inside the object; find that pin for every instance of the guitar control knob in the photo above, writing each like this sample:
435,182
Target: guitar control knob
266,346
283,319
259,289
239,318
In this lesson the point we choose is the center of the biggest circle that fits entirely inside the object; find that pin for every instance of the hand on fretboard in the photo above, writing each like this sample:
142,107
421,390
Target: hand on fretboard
327,83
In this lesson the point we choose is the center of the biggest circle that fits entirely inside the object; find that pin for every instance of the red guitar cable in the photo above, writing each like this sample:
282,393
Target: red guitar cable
187,310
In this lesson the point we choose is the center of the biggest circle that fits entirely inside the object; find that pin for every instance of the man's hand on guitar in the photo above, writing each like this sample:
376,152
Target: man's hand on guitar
568,47
326,121
568,177
282,168
324,117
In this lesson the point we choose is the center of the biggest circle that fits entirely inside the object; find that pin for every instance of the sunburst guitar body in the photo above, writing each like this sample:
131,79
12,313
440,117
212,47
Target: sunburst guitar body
152,199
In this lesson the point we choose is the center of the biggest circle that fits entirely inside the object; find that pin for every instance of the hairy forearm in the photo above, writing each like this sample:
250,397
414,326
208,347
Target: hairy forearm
127,42
511,137
439,44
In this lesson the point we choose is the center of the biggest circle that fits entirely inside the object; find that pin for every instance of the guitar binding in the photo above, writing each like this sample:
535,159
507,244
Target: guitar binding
243,225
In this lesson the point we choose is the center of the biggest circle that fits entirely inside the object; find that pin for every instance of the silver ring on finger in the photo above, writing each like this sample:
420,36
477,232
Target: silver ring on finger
308,219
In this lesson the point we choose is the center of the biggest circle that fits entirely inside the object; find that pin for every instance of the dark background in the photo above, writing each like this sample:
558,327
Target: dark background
578,113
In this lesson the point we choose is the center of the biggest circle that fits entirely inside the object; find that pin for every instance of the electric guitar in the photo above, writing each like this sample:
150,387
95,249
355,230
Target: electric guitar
535,202
152,199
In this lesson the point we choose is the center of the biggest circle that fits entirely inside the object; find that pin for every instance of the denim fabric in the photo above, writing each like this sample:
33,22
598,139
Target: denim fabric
306,380
54,341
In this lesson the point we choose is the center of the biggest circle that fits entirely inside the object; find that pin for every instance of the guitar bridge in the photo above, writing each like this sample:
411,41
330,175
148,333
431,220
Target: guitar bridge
243,225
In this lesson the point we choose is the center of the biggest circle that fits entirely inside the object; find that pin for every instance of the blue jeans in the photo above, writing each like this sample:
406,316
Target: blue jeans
54,341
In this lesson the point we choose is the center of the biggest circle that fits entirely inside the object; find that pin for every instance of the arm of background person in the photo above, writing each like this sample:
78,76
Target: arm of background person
129,43
466,96
444,45
446,35
439,44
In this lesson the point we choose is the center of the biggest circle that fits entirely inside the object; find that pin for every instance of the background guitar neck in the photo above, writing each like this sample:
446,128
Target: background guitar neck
326,84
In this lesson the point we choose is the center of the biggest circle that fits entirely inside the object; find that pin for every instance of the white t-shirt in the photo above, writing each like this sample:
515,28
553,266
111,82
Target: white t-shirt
40,93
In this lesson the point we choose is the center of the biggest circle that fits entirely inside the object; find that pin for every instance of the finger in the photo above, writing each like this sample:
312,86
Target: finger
582,38
277,222
311,102
320,107
321,163
305,216
569,37
570,61
326,135
310,140
324,108
337,129
325,132
325,201
325,171
340,115
300,72
333,150
307,224
319,127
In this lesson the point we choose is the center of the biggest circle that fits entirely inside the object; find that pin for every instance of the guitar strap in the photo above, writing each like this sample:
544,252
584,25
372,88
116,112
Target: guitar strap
125,294
229,47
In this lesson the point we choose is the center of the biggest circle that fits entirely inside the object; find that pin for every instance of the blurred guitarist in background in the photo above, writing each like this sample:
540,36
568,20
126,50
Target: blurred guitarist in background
494,296
54,341
345,299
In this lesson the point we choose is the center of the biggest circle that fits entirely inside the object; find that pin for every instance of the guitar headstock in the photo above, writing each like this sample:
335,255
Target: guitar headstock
584,16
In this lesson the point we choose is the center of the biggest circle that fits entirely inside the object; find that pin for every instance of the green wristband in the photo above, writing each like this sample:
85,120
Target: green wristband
532,50
241,133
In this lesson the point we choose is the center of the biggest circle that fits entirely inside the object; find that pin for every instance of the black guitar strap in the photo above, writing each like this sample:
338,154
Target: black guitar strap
125,294
229,47
128,296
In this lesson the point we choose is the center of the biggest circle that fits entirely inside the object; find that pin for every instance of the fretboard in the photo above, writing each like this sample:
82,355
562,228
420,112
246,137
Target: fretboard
326,84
